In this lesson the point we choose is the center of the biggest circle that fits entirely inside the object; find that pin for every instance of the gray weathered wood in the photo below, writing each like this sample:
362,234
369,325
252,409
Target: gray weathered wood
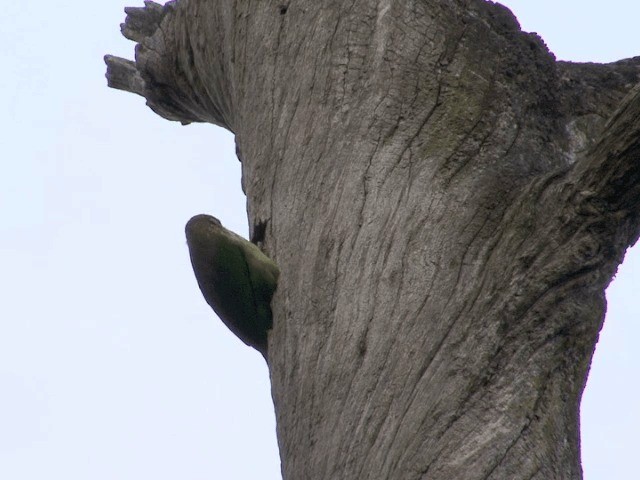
446,203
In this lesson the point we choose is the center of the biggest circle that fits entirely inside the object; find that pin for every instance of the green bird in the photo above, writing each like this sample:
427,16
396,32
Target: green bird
235,277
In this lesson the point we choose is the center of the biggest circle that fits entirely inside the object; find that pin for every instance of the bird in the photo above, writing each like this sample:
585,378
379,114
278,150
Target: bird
236,279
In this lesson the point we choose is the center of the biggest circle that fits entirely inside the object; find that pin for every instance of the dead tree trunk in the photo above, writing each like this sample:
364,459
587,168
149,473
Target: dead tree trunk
446,203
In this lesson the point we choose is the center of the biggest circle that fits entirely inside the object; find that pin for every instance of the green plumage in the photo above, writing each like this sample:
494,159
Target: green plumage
235,277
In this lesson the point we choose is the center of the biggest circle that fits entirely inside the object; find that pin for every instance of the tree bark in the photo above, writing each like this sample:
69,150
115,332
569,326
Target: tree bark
447,204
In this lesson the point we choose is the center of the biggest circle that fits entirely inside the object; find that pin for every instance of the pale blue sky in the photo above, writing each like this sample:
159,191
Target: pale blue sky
111,364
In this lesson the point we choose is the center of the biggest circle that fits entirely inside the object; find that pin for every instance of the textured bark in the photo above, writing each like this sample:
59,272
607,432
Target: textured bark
446,203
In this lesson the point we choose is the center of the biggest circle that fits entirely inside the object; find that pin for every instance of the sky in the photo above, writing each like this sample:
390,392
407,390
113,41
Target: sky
111,364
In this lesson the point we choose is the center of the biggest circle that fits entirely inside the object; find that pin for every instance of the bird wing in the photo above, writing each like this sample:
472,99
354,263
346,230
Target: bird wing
263,277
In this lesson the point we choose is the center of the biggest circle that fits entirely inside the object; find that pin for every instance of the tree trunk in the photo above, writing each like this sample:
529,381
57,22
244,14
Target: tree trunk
446,203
